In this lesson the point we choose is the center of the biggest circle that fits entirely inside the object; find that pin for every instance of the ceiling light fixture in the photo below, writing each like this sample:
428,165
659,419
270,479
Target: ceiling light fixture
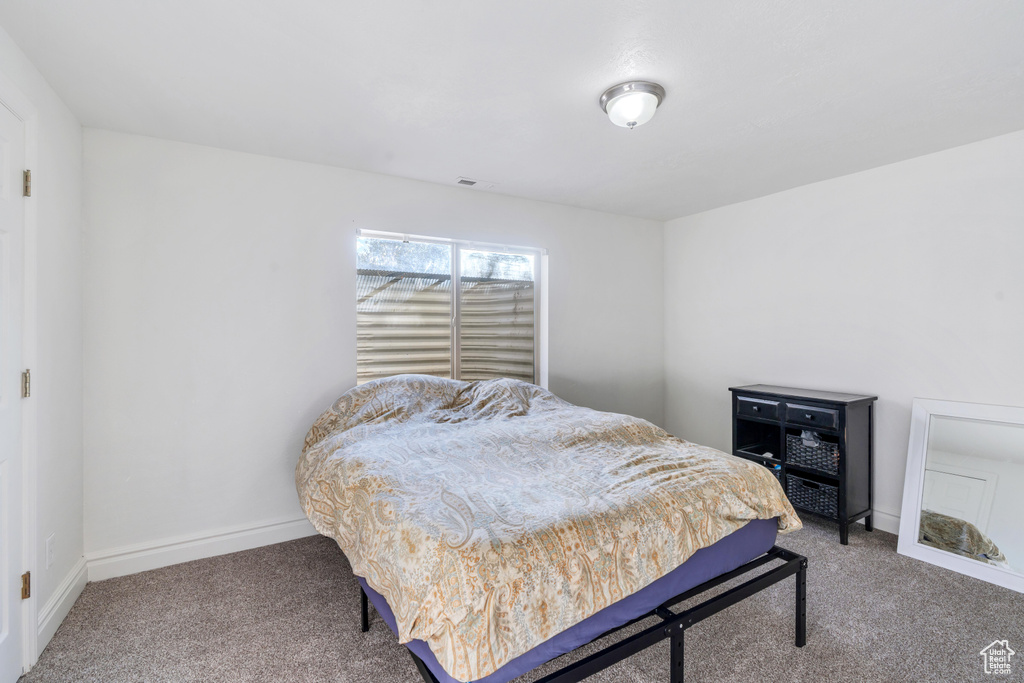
632,103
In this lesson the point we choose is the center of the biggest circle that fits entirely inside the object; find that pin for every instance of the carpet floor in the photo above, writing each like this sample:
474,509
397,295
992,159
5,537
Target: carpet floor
290,612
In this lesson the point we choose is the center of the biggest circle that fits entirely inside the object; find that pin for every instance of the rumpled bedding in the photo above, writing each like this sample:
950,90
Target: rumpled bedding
955,535
492,515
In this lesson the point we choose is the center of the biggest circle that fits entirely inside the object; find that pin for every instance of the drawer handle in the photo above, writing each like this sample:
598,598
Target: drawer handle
756,409
808,416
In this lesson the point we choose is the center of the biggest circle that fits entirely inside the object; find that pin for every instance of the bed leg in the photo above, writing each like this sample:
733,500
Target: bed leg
428,677
364,610
801,604
678,633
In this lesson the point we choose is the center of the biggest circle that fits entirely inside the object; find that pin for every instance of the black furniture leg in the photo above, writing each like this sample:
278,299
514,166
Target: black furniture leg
364,610
844,533
867,523
678,633
428,677
801,604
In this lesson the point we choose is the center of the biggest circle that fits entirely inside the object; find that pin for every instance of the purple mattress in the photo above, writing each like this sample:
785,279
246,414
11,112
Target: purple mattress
739,547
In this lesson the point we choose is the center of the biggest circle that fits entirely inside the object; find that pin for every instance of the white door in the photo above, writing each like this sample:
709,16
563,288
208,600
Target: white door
12,230
958,495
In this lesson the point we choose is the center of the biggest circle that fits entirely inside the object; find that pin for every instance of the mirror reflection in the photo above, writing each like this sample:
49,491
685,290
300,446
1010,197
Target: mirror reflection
973,499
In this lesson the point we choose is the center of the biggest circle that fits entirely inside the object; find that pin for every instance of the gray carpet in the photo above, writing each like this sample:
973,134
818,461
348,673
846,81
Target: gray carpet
290,612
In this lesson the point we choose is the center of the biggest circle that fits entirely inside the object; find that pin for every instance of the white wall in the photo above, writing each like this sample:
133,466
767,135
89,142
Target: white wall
220,321
900,281
57,370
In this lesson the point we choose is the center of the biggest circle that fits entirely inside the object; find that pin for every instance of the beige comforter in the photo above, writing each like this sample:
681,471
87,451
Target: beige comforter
493,515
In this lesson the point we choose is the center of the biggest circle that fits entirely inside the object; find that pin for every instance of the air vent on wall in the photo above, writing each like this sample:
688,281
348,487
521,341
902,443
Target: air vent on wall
475,184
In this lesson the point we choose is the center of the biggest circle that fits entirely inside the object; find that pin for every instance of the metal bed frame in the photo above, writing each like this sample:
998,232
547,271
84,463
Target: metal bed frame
673,624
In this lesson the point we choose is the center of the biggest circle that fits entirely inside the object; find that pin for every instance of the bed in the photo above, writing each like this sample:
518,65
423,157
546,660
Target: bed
960,537
495,527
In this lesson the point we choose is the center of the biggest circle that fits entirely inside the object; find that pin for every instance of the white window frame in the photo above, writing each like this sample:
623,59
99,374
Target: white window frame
540,296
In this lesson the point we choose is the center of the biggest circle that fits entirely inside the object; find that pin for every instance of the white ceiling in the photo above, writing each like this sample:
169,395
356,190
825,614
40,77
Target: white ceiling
762,95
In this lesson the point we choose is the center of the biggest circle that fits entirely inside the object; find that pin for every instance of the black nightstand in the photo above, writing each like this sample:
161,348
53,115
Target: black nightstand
818,444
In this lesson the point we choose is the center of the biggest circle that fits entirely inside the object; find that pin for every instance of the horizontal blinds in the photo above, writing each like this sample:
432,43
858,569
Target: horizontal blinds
403,323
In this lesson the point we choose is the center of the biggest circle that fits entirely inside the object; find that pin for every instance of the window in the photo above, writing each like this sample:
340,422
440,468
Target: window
451,309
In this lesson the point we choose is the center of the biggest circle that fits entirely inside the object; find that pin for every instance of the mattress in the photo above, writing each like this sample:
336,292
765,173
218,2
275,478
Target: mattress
739,547
493,515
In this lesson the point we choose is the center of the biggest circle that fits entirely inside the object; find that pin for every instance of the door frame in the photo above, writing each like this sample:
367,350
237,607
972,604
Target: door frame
15,100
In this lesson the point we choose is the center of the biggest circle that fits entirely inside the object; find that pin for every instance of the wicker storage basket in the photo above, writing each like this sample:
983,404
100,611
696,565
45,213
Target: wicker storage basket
823,457
813,496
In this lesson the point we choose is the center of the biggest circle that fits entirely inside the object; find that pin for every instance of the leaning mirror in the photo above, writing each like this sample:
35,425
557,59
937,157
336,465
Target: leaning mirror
963,506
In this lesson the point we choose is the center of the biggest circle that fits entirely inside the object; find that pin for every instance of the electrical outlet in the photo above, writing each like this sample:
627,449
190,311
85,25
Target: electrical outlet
49,550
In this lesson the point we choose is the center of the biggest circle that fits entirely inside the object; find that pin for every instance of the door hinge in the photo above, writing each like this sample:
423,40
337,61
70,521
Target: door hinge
26,384
26,585
27,188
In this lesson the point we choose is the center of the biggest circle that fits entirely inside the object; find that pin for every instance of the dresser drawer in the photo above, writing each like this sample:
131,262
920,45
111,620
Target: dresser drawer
756,407
812,417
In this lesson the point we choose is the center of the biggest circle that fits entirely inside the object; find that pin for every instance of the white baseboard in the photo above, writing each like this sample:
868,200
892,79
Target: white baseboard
107,564
886,521
59,604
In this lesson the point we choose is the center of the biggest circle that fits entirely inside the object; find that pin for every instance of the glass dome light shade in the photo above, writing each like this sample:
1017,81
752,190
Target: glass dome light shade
632,109
632,104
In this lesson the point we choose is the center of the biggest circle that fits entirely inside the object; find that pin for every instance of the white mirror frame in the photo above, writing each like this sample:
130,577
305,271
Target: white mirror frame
913,489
